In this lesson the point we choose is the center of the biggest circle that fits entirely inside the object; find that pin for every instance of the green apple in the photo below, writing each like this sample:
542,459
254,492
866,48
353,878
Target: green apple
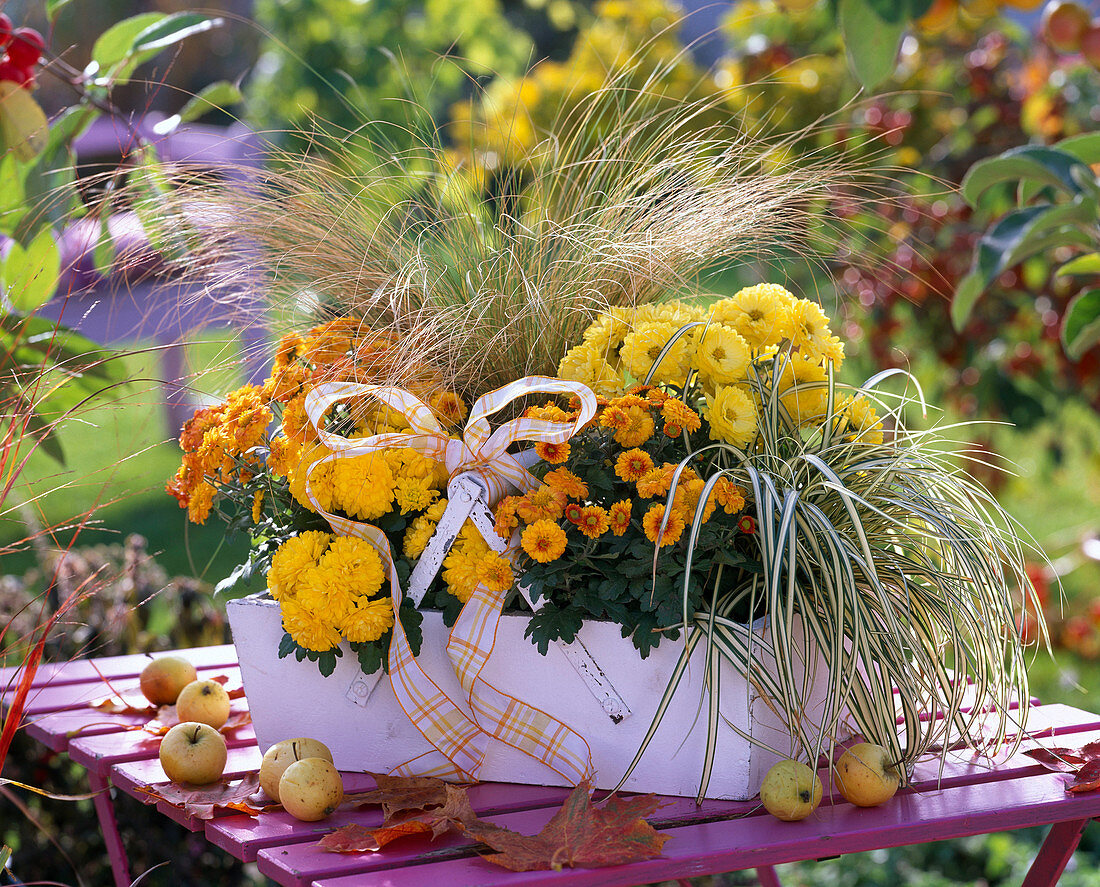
204,701
790,791
282,754
310,789
164,678
193,752
866,776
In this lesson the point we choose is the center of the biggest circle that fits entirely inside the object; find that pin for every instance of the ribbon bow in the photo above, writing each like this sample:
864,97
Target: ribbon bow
462,739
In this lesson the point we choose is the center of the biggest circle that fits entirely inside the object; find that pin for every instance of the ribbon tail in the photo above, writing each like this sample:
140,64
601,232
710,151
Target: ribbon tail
507,719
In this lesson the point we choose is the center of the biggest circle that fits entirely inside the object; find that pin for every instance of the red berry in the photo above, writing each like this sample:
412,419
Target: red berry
26,47
5,30
13,72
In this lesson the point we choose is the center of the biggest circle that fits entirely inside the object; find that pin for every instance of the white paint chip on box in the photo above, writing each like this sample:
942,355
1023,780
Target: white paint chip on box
288,698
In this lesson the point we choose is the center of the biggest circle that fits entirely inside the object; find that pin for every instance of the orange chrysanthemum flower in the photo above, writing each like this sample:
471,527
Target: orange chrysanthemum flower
671,430
544,541
633,465
544,503
495,572
638,429
573,512
594,521
506,516
564,481
614,417
676,412
449,406
674,528
554,453
656,482
619,516
730,496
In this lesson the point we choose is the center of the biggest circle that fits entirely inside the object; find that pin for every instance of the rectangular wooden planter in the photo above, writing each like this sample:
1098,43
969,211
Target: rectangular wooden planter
359,718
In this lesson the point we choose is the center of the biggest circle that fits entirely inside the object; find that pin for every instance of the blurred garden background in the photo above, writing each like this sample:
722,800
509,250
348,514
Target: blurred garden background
489,79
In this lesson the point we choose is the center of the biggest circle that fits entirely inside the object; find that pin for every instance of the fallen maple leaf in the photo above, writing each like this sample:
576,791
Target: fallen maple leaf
166,718
360,839
240,719
1082,763
203,801
398,794
578,835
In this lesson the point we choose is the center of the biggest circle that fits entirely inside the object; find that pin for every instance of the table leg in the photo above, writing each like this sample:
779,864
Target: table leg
767,876
1057,850
108,825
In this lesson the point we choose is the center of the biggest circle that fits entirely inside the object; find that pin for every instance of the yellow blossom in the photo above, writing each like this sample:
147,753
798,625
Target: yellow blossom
642,348
722,356
294,556
354,564
411,494
809,326
417,536
619,516
308,629
732,416
758,313
368,620
323,591
593,521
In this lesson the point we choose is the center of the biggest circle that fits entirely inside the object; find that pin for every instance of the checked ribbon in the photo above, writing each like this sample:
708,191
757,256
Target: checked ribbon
460,738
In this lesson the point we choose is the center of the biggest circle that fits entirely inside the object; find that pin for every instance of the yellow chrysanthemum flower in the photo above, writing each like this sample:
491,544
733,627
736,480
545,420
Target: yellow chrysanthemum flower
411,494
642,348
362,486
324,592
417,536
320,477
297,554
586,364
354,564
368,620
732,416
593,521
544,541
862,421
803,389
307,628
460,572
722,356
809,327
758,313
638,427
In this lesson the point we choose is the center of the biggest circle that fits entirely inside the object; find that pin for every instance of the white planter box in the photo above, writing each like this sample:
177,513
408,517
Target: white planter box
361,722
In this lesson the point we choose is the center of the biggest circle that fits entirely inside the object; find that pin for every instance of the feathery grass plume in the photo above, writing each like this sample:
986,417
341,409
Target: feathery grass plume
492,276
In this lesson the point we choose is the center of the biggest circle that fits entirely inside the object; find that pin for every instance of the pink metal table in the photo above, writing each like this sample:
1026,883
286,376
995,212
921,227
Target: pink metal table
968,797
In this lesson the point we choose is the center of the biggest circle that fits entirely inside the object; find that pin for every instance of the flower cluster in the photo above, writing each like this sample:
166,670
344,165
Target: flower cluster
688,396
257,460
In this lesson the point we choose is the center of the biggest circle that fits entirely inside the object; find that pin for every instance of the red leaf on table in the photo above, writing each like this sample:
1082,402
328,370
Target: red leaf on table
578,835
360,839
203,801
1082,763
398,794
1061,760
236,693
1087,779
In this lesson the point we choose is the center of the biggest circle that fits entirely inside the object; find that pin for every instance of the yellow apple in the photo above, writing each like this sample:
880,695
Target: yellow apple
790,791
866,776
282,754
310,789
193,752
205,702
164,677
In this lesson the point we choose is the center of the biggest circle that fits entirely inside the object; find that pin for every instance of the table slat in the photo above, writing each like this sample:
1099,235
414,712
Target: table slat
707,848
131,665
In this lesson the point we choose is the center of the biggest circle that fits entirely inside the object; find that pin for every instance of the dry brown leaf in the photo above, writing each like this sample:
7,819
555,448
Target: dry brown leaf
125,703
400,794
203,801
580,834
